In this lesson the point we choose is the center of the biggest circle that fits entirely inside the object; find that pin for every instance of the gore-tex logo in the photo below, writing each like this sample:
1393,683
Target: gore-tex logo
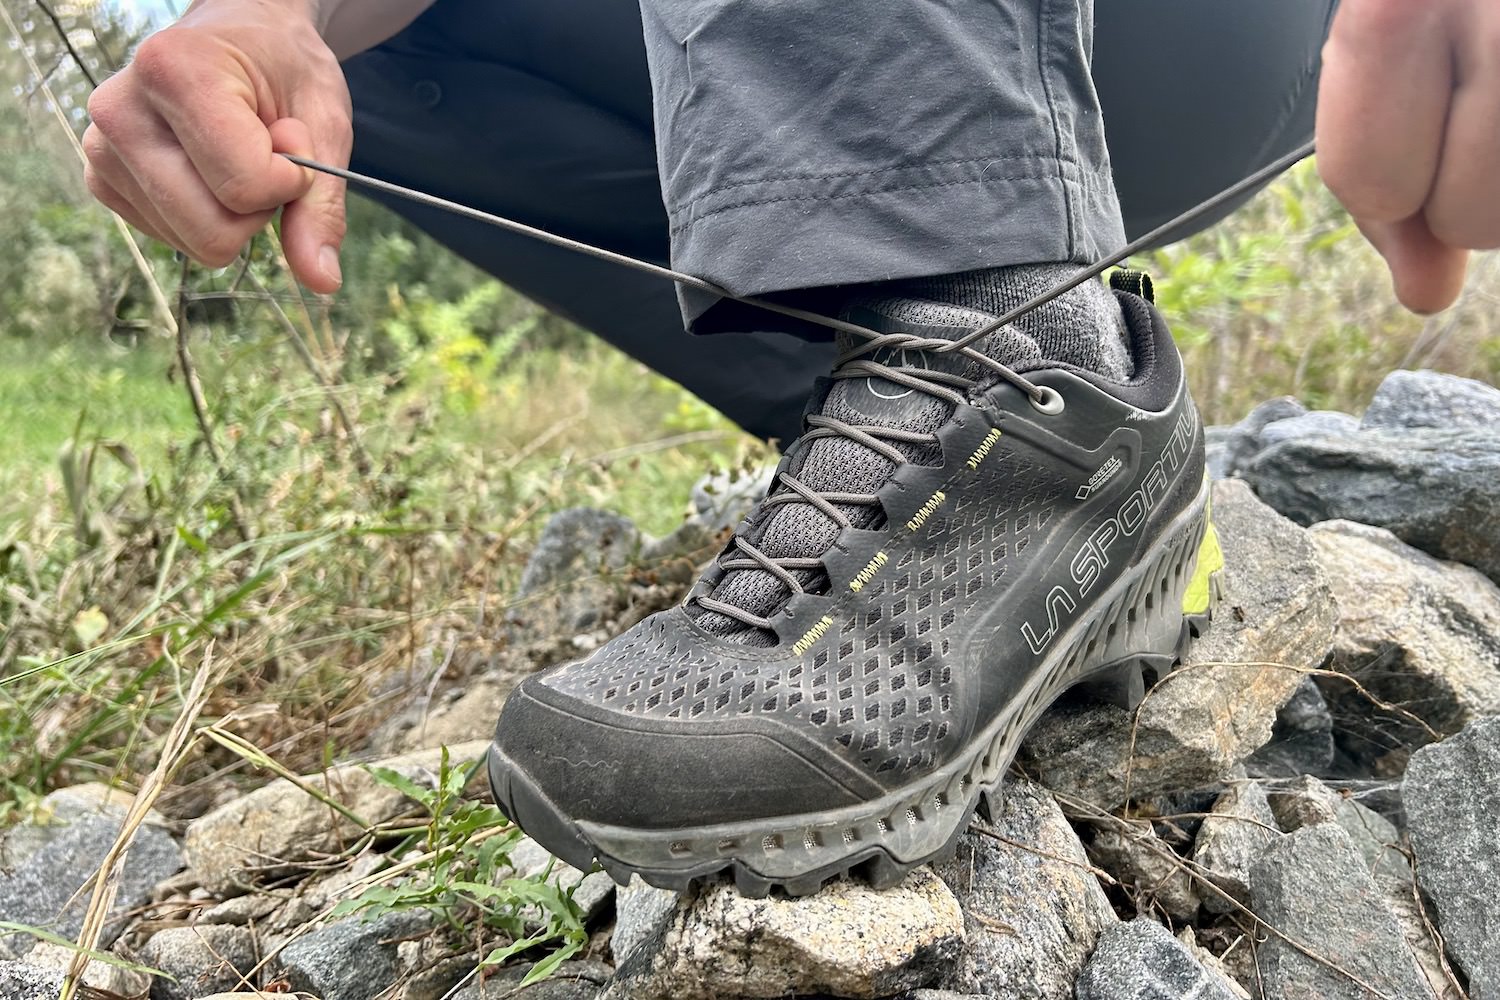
1093,557
1105,474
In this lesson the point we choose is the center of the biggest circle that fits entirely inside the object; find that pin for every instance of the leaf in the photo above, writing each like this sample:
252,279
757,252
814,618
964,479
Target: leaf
90,625
402,784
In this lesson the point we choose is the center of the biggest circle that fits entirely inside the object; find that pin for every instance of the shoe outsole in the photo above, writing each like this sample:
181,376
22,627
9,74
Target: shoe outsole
1141,631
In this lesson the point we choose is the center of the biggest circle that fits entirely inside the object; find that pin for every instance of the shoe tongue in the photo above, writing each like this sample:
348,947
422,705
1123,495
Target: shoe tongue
838,464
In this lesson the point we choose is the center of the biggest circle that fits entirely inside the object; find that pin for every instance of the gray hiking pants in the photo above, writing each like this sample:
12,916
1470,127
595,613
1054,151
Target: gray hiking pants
785,146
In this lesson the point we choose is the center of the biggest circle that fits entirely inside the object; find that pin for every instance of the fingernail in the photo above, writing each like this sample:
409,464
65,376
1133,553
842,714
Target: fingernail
328,260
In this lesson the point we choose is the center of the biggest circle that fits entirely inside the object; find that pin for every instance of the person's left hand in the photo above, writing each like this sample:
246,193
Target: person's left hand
1409,135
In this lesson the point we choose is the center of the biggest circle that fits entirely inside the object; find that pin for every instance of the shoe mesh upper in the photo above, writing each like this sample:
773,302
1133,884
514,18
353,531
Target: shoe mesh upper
881,685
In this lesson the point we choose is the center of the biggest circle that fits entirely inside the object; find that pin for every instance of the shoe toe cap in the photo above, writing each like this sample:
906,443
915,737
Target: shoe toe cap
585,764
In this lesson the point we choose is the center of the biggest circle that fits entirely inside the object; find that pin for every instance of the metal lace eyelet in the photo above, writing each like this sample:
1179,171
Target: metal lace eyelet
1047,401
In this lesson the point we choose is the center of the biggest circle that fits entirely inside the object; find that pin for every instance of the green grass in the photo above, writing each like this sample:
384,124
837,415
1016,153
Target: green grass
49,390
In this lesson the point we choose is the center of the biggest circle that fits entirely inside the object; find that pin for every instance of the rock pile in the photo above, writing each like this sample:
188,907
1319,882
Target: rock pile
1305,809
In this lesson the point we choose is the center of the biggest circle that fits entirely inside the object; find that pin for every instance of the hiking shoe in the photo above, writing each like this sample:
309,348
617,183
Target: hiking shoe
947,549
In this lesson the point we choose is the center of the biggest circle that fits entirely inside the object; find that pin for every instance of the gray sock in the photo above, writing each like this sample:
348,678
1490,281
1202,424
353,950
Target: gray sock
1084,327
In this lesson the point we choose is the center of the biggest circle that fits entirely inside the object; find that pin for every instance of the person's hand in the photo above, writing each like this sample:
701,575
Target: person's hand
184,140
1409,135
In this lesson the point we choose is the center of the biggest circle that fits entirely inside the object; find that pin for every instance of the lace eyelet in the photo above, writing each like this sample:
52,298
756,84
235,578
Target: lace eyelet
1051,401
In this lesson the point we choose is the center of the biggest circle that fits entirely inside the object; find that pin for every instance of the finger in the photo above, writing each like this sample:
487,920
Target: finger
108,196
313,226
1427,273
207,231
1464,207
1382,102
106,175
211,112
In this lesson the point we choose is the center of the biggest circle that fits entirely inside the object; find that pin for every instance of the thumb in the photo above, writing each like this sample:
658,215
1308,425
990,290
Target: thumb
1427,274
312,226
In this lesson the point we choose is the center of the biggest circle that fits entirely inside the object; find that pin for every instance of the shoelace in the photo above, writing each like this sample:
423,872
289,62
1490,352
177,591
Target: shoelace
851,364
743,554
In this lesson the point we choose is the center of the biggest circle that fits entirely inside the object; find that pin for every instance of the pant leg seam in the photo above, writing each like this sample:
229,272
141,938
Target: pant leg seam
930,186
845,174
1062,156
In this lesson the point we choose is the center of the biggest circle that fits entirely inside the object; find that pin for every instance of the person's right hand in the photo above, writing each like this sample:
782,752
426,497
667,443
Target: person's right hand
184,140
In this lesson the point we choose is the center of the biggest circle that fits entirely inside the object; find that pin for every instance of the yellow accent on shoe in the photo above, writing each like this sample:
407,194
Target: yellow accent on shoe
815,633
1210,561
984,448
928,509
867,574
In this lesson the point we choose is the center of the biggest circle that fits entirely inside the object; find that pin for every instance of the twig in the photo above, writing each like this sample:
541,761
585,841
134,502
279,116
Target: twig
62,36
200,405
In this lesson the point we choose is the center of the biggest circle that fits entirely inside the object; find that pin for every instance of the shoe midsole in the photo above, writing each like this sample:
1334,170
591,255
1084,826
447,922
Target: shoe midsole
1140,616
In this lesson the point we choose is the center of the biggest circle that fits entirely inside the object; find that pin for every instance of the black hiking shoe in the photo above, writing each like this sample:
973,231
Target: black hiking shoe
945,552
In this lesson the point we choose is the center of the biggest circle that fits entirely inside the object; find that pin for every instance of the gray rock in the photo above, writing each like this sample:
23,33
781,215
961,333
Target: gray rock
1276,616
1311,424
566,584
98,975
59,808
847,940
1228,842
23,981
1301,740
1418,926
1232,446
1141,960
1308,802
571,981
1453,809
43,892
722,500
1438,490
247,837
1415,632
939,995
1312,886
1147,867
1412,399
640,912
350,959
202,958
1032,908
591,891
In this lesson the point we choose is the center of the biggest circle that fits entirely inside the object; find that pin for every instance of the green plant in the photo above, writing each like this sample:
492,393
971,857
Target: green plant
459,875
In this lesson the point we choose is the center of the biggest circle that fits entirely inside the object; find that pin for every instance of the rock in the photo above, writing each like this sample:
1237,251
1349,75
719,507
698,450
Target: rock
1229,447
847,940
1453,810
1033,910
721,500
1141,960
59,808
97,975
590,891
1412,399
459,715
350,959
1438,490
1147,867
242,910
43,892
640,911
1301,740
1313,887
1276,616
1213,963
1229,841
1418,928
1308,802
571,981
247,837
566,583
23,981
1311,424
1416,632
202,958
